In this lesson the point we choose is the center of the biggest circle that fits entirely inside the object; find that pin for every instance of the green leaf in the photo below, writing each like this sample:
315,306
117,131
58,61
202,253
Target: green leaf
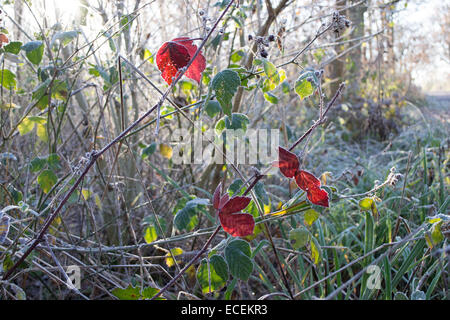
271,97
8,79
217,275
237,255
186,219
306,83
37,164
301,236
132,293
34,51
271,72
212,108
13,47
285,87
46,180
148,150
225,85
238,121
150,234
310,217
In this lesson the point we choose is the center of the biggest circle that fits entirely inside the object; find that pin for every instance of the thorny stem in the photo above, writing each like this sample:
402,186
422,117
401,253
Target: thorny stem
96,154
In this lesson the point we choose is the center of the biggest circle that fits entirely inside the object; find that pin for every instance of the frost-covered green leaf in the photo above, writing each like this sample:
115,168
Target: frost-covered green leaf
271,97
237,255
225,85
301,236
34,51
215,277
306,83
13,47
212,108
8,79
46,180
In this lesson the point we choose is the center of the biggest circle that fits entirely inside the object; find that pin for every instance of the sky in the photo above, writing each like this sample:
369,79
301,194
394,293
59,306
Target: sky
433,76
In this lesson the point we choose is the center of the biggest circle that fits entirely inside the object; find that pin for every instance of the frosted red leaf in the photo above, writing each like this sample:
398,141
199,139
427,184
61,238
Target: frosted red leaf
237,224
235,204
287,162
176,54
306,180
234,223
195,70
318,196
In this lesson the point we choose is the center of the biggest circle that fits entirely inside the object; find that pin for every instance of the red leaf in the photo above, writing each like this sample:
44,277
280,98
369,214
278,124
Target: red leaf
318,196
171,57
196,68
306,180
176,54
238,224
233,205
216,196
287,162
3,39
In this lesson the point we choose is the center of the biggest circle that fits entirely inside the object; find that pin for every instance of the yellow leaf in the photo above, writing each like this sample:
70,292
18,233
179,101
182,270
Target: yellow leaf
165,150
169,259
41,131
86,194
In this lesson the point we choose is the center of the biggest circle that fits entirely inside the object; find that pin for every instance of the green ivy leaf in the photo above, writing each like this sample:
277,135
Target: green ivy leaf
237,255
225,85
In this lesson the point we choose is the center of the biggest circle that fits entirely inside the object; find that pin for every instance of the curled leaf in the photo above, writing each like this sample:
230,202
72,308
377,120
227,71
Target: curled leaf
287,162
175,55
